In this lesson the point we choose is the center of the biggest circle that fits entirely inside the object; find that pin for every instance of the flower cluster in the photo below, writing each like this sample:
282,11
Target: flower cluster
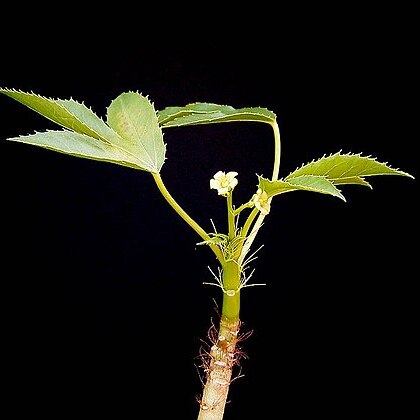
224,183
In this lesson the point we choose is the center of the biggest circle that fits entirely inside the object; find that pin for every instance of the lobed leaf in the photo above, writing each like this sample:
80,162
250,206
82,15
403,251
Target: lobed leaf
79,145
346,169
171,112
67,113
137,140
134,118
208,113
324,174
356,180
100,129
314,183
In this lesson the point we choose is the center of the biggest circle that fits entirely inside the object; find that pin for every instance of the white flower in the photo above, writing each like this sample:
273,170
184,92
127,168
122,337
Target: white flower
224,183
261,201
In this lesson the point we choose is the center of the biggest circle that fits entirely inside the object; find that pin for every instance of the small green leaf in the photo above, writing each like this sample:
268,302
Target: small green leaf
79,145
346,169
207,113
314,183
134,118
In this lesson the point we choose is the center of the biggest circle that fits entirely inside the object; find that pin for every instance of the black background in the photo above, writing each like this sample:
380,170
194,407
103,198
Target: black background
102,281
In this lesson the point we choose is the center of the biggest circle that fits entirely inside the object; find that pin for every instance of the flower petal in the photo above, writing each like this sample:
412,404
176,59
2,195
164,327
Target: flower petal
214,184
231,175
219,175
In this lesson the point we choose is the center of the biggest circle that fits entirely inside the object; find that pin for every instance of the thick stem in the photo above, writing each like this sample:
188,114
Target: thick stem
231,277
223,353
219,371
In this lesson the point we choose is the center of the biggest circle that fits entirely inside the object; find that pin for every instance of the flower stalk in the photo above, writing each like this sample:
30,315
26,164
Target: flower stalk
274,176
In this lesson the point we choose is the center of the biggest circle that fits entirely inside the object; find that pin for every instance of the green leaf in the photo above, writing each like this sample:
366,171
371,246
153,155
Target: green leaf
346,169
134,118
100,129
79,145
207,113
356,180
143,149
172,112
324,174
67,113
314,183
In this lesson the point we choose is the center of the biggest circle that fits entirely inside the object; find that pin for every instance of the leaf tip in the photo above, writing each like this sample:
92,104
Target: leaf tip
408,175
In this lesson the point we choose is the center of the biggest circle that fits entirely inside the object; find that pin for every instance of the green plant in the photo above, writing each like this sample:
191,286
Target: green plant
132,137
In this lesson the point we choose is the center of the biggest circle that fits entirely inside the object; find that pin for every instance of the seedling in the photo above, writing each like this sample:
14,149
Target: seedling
132,136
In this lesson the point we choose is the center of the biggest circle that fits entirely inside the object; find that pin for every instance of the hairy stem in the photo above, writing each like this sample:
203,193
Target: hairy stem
219,371
223,353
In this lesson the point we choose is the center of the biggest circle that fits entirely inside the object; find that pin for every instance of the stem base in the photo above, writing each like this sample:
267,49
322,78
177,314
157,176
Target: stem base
219,371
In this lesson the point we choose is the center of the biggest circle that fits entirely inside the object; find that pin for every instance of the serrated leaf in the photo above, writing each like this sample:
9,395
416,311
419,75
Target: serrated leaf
65,112
208,113
314,183
346,169
134,118
355,180
77,117
324,174
172,112
98,126
79,145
